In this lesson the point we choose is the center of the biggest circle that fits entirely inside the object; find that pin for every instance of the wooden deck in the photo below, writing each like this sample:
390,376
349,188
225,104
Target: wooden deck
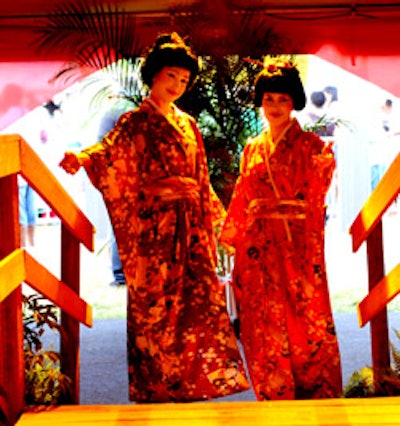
334,412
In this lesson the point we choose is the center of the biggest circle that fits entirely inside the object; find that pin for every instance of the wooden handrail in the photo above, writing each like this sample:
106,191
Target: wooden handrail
379,201
367,227
18,266
16,156
385,291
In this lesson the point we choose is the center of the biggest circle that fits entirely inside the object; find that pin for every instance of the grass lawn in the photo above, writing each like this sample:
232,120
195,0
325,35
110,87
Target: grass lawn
110,302
347,271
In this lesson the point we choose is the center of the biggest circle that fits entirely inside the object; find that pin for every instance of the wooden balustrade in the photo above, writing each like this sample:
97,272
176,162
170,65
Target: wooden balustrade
18,266
315,412
367,227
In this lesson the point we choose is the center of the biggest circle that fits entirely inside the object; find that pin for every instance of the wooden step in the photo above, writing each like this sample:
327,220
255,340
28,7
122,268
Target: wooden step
332,412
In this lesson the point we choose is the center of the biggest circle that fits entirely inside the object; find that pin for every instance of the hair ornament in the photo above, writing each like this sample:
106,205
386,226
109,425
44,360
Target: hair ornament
272,65
174,39
254,61
169,50
279,75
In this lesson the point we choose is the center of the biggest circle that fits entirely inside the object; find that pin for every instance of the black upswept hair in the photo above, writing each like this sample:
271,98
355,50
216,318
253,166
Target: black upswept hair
285,80
170,50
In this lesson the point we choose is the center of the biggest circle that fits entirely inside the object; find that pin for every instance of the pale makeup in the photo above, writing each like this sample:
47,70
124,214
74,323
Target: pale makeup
277,109
169,85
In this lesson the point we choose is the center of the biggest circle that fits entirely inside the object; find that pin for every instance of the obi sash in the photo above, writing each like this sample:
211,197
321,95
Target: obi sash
173,188
281,209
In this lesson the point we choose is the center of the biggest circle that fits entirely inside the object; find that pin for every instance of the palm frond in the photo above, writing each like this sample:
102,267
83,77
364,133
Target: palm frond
118,79
218,30
324,122
93,34
221,101
395,352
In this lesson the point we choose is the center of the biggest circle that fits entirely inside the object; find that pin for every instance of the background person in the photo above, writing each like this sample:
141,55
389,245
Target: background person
27,212
15,107
383,144
317,120
107,122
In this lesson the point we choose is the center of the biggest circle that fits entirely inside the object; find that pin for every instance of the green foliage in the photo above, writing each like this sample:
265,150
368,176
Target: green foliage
360,384
120,79
98,36
221,102
92,33
324,122
217,29
37,314
363,384
45,384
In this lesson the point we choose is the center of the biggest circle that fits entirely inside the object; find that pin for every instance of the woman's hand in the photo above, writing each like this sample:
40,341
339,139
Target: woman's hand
72,162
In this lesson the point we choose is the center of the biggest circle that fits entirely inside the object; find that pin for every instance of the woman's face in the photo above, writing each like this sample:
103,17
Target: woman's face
170,83
277,108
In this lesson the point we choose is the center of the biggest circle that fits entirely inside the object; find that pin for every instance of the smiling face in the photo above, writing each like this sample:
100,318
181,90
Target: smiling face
277,108
170,84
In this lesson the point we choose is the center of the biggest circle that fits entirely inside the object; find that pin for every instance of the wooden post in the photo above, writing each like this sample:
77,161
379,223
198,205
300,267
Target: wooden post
379,324
12,371
70,274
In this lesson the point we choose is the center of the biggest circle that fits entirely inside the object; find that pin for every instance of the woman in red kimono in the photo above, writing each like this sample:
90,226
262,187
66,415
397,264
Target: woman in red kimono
151,169
275,223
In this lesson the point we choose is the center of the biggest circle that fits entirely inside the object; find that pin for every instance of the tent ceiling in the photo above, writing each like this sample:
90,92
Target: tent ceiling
359,36
367,27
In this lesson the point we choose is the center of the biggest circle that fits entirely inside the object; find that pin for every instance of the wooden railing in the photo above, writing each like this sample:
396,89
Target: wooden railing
17,266
367,227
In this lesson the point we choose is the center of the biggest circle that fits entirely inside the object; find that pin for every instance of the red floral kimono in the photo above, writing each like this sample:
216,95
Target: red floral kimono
153,175
276,224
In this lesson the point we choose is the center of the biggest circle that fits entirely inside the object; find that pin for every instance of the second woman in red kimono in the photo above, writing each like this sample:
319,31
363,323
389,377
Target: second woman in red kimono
275,224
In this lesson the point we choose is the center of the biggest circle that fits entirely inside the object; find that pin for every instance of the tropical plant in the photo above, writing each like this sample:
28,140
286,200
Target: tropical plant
119,80
94,35
103,38
324,122
218,30
221,102
45,384
362,383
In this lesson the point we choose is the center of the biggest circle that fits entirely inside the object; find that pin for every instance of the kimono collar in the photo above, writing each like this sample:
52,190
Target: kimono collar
281,135
289,134
271,145
170,118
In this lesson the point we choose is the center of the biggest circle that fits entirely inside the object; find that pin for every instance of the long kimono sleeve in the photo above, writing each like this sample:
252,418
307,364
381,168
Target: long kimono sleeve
320,173
213,210
114,166
218,212
236,216
98,155
213,204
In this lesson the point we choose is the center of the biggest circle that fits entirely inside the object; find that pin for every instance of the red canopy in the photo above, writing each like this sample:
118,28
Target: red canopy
362,38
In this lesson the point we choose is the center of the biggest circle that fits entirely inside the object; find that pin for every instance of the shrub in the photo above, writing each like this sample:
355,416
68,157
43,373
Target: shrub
45,384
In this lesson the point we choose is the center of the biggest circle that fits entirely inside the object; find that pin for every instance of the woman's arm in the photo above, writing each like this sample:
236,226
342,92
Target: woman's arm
72,162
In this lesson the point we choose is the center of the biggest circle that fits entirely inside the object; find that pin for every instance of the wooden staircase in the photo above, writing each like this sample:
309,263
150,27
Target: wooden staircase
333,412
383,287
17,266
